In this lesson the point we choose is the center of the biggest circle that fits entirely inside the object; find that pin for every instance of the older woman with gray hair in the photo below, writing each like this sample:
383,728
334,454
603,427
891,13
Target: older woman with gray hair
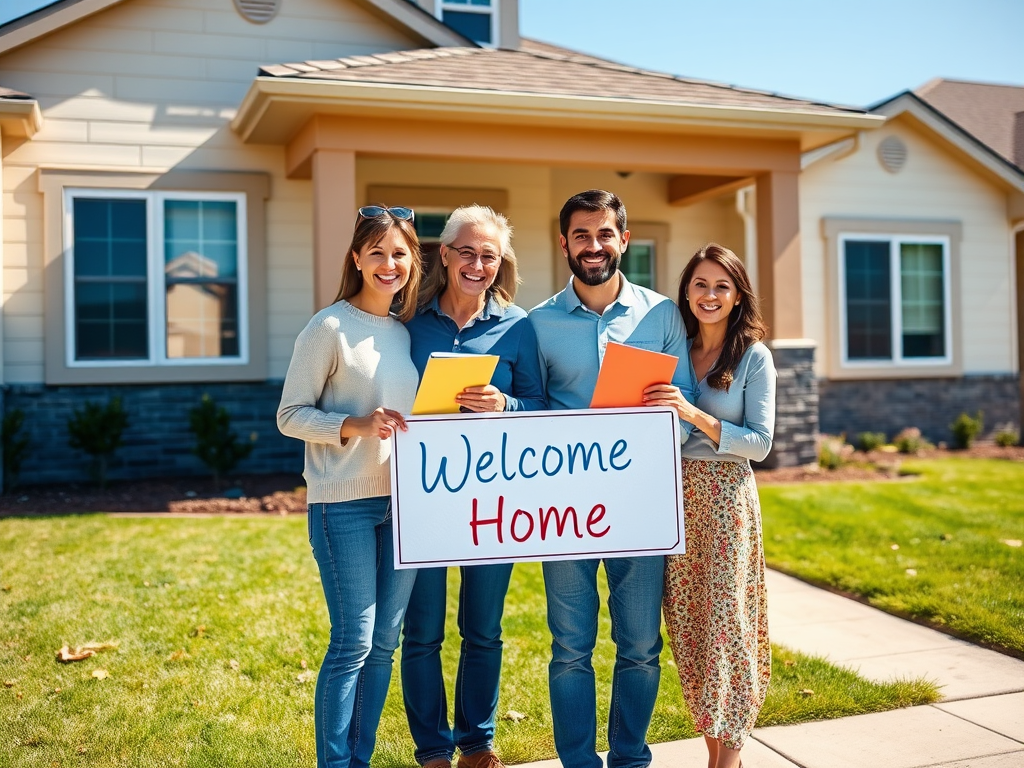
465,305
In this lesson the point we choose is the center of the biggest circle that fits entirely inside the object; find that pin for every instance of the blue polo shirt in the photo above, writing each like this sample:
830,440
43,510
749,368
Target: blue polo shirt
571,340
502,331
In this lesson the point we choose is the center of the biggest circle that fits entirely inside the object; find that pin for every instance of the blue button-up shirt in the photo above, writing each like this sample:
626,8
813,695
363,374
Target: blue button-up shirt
571,340
502,331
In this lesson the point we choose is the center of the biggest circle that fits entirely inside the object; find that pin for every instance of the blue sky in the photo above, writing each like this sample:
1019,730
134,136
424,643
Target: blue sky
843,52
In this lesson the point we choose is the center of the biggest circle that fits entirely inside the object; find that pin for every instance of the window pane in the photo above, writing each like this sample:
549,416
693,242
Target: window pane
922,301
202,319
638,264
481,3
200,238
868,300
475,26
110,295
110,237
430,225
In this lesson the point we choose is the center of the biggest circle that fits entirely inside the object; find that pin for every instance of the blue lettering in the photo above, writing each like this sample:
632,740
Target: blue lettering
504,447
522,456
483,463
617,450
442,472
587,455
544,461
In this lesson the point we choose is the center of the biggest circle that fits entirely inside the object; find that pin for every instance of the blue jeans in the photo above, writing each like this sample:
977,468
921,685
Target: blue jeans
481,602
635,586
366,600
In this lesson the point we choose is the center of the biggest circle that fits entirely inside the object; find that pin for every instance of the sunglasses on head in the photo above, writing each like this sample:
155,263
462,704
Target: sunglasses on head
376,211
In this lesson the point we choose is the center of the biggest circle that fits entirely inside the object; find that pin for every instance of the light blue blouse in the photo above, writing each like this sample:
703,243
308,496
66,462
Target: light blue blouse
746,410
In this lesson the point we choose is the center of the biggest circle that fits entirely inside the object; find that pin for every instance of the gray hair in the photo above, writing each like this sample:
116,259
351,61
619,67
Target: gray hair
480,216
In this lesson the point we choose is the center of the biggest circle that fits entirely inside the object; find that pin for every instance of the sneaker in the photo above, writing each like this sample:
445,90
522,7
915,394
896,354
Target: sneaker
485,758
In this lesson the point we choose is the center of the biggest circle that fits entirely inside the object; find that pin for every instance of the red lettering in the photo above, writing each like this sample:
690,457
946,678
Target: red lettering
487,521
594,518
560,522
512,528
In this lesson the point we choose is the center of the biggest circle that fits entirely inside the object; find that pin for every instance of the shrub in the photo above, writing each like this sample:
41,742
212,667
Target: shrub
910,440
96,430
216,445
15,445
833,451
870,441
1007,437
965,429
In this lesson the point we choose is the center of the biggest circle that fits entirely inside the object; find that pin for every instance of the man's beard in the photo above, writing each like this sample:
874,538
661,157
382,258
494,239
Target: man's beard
595,275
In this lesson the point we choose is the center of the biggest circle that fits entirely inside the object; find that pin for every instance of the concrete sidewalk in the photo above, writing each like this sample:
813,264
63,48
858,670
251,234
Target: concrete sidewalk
978,724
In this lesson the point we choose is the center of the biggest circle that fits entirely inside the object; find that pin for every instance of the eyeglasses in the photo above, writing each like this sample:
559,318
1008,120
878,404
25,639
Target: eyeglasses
470,256
376,211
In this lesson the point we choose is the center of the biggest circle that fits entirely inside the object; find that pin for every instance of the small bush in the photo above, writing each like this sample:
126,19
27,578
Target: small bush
1007,437
910,440
965,429
833,451
216,445
15,445
96,430
870,441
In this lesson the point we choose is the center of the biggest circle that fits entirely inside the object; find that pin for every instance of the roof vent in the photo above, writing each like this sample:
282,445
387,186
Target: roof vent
258,11
892,154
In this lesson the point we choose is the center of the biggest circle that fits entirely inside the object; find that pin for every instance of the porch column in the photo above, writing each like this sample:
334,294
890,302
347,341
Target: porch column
334,215
778,254
779,286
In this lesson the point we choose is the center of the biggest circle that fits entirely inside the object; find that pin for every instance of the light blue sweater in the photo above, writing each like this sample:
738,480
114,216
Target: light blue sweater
746,410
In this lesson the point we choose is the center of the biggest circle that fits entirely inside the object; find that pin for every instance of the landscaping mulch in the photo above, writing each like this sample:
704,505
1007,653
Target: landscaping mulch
285,494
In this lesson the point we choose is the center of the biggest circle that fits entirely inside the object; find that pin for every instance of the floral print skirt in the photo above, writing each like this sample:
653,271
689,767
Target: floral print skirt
715,606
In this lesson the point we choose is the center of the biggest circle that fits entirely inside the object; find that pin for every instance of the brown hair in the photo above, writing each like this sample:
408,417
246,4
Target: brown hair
592,200
370,231
746,325
506,282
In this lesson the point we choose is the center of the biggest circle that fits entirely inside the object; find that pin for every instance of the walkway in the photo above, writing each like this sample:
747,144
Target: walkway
978,724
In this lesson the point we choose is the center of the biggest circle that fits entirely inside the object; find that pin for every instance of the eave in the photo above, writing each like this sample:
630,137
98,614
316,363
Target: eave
275,109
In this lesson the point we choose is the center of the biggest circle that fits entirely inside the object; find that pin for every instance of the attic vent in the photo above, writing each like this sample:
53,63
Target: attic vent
258,11
892,154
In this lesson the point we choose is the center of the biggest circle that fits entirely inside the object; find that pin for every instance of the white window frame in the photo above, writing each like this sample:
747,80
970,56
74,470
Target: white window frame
440,6
895,299
155,284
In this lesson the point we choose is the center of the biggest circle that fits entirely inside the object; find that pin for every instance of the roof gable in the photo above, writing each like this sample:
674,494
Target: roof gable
961,140
994,114
63,13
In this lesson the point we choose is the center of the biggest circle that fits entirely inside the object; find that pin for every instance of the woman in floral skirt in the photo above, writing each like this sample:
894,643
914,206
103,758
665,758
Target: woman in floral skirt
714,604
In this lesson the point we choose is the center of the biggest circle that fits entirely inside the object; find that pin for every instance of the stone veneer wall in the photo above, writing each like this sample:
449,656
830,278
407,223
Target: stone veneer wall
158,441
796,405
931,405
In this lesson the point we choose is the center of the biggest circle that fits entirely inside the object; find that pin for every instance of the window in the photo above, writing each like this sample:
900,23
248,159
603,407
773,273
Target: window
638,263
895,299
155,278
475,19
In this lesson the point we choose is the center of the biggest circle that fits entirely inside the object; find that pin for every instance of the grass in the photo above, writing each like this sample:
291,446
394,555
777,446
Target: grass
932,548
220,625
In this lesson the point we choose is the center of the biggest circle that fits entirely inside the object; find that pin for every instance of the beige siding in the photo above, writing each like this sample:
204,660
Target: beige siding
933,184
152,84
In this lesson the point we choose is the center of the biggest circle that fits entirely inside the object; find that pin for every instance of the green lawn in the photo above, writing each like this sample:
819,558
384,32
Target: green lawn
932,548
220,625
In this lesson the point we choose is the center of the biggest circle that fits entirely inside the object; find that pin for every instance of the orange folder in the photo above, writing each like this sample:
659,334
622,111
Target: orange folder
626,372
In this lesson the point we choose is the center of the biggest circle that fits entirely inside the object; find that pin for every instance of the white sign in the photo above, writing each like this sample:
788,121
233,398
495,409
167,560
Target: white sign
469,489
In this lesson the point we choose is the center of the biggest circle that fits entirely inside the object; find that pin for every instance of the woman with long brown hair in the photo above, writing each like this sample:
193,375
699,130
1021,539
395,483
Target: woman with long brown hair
350,380
714,602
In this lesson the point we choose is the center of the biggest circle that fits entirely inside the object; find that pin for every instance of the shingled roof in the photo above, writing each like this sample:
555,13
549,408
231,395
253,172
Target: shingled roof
538,68
993,114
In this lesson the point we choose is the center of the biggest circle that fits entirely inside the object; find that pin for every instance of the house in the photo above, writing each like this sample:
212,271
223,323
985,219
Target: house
180,179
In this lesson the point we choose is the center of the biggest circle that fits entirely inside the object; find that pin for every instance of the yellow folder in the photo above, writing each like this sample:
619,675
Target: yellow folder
446,375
